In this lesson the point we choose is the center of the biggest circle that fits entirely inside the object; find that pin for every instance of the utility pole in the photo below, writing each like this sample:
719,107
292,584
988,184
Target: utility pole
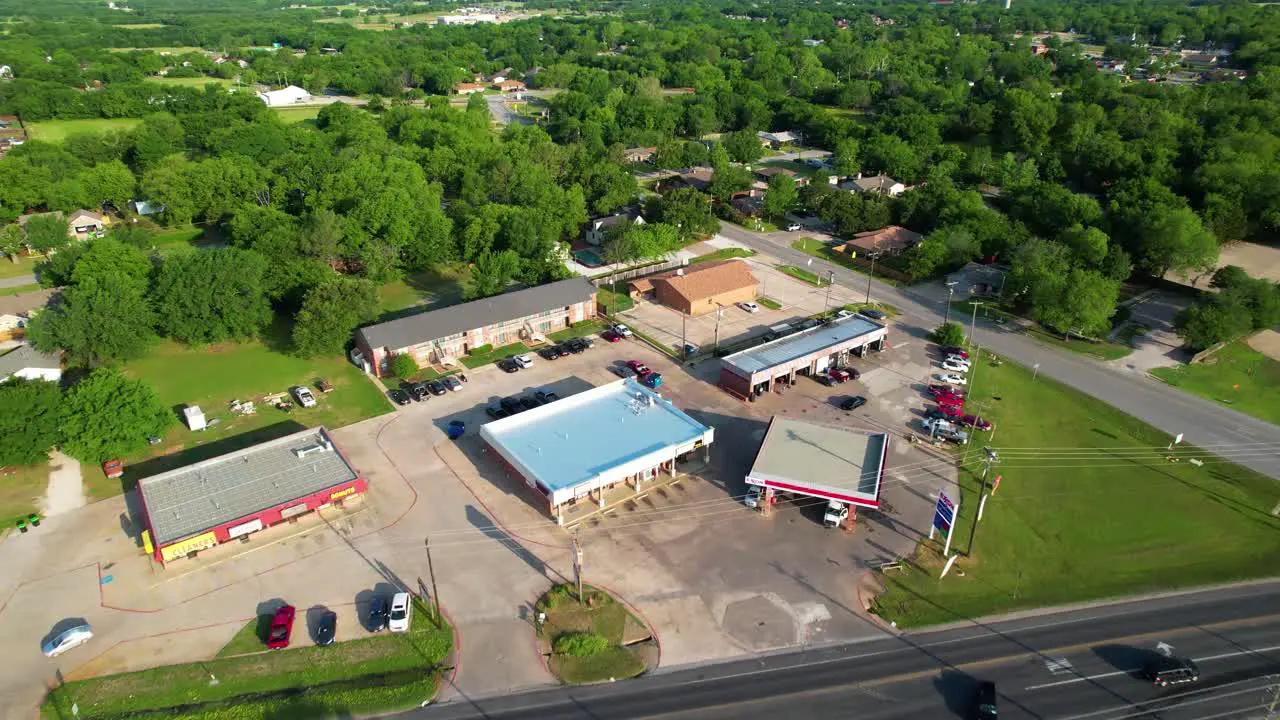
719,312
831,280
873,256
973,324
435,592
684,334
577,564
992,458
951,290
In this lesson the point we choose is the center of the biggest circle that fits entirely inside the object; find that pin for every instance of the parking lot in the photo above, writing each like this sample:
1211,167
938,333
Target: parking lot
798,300
712,577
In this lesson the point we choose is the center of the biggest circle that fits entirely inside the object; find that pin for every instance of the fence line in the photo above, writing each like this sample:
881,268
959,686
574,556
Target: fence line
635,272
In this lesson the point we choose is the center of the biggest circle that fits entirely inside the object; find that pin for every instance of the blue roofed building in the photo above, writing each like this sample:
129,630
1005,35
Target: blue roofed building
751,372
573,449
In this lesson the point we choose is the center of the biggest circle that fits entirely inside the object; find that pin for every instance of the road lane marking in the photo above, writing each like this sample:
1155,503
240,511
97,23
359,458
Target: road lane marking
1220,656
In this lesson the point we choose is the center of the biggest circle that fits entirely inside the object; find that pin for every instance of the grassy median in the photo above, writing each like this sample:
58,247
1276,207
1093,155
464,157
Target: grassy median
1090,506
1236,376
373,674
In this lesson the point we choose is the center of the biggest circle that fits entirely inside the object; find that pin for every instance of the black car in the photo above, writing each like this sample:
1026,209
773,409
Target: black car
853,403
436,387
545,396
575,346
496,413
418,391
379,611
400,397
508,365
511,405
528,402
936,414
326,627
874,315
1166,670
986,701
550,353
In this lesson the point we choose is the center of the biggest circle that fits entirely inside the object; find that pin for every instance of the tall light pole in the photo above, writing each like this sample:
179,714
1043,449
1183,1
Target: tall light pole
951,291
992,458
831,280
873,256
973,324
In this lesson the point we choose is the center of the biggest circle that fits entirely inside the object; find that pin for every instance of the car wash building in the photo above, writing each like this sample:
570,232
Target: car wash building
572,450
197,507
821,462
750,373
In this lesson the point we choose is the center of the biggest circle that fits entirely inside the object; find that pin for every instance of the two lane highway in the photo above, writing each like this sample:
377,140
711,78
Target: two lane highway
1077,665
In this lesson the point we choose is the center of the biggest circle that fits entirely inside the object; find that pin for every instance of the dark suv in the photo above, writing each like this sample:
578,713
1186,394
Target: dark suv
986,701
1166,670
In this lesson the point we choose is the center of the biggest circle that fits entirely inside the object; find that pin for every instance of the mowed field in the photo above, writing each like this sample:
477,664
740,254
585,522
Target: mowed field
298,114
198,82
1090,506
55,131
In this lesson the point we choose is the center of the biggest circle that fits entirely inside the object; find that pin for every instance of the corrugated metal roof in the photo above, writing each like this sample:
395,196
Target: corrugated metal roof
196,498
435,324
801,344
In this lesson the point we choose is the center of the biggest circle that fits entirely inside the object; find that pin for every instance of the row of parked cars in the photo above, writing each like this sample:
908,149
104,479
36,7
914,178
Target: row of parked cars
948,418
514,405
384,614
639,371
417,392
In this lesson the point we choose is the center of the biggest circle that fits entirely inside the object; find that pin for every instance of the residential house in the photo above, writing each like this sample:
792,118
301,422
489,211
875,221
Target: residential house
508,86
767,173
291,95
698,178
639,154
880,184
84,224
598,229
30,364
442,336
467,88
699,289
889,240
501,76
776,140
1201,59
749,205
975,280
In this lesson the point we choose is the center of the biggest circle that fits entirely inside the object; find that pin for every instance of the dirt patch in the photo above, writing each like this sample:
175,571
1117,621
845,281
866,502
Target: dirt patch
1266,342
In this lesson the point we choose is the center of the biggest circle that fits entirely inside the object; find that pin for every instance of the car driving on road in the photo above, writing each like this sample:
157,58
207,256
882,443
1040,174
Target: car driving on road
72,637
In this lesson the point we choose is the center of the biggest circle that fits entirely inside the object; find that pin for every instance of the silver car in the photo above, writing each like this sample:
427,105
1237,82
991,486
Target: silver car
453,383
66,640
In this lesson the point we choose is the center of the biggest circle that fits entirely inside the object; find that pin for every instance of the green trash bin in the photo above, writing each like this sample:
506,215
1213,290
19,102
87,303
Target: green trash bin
33,520
22,526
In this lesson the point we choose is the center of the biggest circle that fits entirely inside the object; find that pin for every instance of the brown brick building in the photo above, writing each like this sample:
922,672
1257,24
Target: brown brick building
699,289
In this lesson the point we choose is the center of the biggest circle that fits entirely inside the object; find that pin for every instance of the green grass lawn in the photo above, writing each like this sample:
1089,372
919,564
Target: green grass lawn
196,82
614,299
182,238
55,131
374,674
247,639
723,254
769,303
577,330
213,376
819,249
606,617
427,289
801,274
476,360
1102,349
18,290
1111,516
21,488
24,266
296,115
1238,376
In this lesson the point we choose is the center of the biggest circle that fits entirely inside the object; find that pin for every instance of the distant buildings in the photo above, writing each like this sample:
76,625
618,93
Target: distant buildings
776,140
889,240
598,229
291,95
12,134
468,88
639,154
878,184
699,289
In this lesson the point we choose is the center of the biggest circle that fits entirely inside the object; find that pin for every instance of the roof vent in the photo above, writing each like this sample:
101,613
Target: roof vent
303,452
679,271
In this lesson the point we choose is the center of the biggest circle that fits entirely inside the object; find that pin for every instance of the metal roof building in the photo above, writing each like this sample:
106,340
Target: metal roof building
196,507
753,371
821,461
620,432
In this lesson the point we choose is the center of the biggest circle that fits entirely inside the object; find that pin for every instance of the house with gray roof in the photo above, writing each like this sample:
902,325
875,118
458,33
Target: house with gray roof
441,337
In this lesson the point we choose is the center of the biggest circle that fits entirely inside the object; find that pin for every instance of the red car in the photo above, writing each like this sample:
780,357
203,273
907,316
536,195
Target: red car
838,375
954,411
939,390
953,350
611,336
955,401
974,421
281,628
639,367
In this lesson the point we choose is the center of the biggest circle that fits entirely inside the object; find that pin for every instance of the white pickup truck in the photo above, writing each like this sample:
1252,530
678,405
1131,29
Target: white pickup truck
836,513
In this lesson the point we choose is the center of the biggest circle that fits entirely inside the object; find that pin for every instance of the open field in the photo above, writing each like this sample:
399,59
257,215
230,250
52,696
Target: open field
1104,350
1237,376
141,26
21,488
213,376
819,249
55,131
421,291
723,254
1090,506
296,115
18,290
197,82
24,266
379,673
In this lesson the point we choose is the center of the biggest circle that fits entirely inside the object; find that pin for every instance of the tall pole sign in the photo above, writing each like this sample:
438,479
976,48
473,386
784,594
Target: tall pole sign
944,519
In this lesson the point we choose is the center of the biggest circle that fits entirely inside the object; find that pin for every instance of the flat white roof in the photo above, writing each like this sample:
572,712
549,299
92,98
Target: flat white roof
594,438
822,461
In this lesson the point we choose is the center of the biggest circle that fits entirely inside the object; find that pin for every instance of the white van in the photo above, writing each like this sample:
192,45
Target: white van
836,513
401,609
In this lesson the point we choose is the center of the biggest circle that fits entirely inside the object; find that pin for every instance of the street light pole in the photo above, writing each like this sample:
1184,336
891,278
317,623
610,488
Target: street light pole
873,256
951,291
992,458
973,324
831,280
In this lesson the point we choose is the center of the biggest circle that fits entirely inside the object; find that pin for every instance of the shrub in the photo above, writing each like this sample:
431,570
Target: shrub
949,334
404,366
580,644
480,350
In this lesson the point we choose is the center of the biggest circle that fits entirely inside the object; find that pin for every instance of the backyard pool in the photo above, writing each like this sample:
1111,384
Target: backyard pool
588,258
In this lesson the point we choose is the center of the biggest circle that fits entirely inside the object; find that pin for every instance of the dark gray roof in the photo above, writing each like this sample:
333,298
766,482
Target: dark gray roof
26,357
435,324
196,498
794,347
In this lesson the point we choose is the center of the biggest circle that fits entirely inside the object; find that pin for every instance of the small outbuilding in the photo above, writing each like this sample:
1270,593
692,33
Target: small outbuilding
701,288
290,95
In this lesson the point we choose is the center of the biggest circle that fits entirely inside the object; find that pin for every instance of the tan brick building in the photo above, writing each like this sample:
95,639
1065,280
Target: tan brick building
699,289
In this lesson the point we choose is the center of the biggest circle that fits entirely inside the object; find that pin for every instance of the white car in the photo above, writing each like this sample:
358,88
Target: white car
749,307
957,357
959,366
622,330
304,396
754,497
524,361
401,610
836,513
452,382
66,640
951,378
793,227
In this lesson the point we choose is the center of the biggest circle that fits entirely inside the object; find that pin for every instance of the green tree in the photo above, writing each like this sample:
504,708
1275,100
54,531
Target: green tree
781,195
847,159
1089,244
727,180
949,334
30,426
331,312
491,274
1216,320
1084,304
743,146
608,187
688,211
47,232
137,235
111,182
104,318
158,136
12,238
404,366
108,415
208,296
924,259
